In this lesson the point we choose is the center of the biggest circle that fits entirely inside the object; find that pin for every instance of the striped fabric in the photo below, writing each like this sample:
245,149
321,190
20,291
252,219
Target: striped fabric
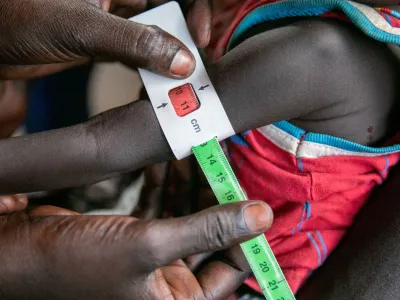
315,183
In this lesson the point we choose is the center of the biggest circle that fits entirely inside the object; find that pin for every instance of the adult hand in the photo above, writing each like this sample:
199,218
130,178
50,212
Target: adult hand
51,253
12,203
39,37
179,188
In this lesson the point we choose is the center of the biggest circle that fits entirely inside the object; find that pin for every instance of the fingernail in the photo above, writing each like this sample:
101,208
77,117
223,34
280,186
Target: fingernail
258,217
21,197
183,63
5,201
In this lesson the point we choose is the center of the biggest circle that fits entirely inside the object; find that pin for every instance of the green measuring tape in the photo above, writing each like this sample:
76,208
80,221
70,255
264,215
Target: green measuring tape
257,251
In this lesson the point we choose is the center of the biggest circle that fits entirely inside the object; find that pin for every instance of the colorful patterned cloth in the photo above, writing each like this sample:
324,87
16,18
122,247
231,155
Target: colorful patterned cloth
315,183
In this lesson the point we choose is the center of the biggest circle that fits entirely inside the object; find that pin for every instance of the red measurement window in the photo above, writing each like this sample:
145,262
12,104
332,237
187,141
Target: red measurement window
184,99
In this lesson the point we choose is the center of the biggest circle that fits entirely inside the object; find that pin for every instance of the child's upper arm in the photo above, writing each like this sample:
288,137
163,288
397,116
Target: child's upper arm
319,72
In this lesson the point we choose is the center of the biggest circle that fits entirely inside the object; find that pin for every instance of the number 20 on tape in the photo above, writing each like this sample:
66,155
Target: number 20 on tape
257,251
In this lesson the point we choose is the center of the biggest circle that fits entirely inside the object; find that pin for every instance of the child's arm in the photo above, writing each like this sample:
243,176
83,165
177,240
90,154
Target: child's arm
296,73
119,140
324,76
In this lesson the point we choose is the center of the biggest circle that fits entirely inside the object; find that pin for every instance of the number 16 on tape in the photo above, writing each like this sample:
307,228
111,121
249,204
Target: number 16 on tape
257,251
191,107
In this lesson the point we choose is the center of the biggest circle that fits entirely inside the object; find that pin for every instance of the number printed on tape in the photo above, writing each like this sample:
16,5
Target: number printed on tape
257,251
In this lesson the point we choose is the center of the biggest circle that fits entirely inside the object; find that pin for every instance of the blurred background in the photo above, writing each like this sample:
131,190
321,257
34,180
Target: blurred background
71,97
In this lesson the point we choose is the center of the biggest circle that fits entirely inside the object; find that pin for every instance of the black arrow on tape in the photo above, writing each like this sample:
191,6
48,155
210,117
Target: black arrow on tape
163,105
203,87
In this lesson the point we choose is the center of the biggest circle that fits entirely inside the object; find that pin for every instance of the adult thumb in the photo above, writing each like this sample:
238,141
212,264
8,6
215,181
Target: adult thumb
76,31
137,45
211,230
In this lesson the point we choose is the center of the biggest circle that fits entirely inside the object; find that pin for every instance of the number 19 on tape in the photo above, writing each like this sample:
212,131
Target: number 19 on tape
257,251
195,107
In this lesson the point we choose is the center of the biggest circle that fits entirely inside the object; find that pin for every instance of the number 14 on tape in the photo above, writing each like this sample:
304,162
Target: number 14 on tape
257,251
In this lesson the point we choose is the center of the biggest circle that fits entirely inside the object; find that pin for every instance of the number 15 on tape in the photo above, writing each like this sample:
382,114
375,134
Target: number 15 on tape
257,251
191,108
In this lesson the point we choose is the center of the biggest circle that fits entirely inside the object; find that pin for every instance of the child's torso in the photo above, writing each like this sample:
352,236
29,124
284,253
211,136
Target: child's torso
315,183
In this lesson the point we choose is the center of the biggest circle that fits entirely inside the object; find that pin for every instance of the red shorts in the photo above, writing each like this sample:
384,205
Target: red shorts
315,183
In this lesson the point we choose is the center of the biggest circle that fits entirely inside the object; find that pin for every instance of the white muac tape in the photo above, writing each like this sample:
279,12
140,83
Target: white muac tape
201,125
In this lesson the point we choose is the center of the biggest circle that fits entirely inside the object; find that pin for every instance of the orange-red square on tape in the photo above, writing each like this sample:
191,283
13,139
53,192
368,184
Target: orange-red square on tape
184,99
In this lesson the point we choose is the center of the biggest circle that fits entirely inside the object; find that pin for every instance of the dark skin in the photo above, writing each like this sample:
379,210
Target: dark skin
180,186
56,265
35,236
36,41
124,261
54,159
85,154
54,254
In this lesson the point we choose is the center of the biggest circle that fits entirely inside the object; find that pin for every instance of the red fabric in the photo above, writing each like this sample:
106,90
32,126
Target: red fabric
228,14
314,200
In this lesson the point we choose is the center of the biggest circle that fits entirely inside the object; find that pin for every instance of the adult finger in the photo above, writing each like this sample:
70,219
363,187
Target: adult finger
99,34
219,280
12,203
194,261
223,275
211,230
47,210
199,15
233,256
136,45
199,19
128,8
